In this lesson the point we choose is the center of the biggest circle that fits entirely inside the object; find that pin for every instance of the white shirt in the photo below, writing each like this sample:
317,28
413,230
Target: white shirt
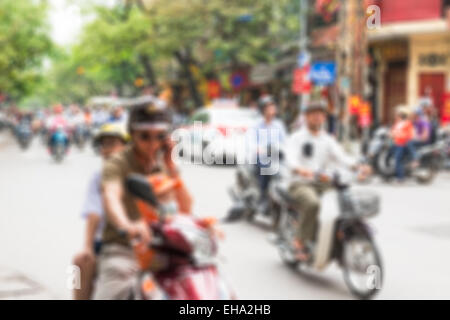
325,153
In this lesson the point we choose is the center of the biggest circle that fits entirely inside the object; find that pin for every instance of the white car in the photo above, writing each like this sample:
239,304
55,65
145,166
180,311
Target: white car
217,135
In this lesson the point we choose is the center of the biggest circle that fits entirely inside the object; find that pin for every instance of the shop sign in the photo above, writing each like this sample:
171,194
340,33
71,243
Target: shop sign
238,80
262,73
323,73
432,59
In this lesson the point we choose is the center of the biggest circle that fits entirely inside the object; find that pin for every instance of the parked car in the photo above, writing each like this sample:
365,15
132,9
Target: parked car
217,135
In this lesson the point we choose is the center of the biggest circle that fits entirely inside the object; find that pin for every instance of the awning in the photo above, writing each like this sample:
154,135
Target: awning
404,29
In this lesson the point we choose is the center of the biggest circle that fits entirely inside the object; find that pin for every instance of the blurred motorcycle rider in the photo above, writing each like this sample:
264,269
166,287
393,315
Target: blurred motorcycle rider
150,152
402,133
310,151
110,139
268,134
57,118
55,121
422,129
117,115
77,117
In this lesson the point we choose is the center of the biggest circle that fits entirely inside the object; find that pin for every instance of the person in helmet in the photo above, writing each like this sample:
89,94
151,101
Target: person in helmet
150,152
402,133
57,119
422,128
110,140
266,136
311,153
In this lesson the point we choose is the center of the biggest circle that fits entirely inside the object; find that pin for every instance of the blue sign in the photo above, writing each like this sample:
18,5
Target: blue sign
323,73
237,80
303,59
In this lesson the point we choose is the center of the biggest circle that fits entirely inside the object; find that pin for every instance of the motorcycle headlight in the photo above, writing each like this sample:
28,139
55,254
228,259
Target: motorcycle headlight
204,248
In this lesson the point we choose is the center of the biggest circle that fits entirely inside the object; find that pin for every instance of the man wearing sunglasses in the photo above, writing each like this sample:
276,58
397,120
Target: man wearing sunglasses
150,152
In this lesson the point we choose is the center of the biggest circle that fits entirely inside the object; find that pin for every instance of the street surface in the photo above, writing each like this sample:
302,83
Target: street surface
41,229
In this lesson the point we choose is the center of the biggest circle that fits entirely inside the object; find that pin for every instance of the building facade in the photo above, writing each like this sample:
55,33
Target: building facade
412,49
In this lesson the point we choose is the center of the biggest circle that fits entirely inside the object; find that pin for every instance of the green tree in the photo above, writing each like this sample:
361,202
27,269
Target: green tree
24,43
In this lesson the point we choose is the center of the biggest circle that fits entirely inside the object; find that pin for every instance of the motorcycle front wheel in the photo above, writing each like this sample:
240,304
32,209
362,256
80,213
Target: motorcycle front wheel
385,164
362,267
59,153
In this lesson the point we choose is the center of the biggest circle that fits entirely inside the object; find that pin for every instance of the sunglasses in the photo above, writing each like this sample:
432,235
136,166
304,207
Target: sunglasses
147,136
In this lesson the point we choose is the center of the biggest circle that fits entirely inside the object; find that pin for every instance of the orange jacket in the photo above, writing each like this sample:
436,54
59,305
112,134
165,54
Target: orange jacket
402,132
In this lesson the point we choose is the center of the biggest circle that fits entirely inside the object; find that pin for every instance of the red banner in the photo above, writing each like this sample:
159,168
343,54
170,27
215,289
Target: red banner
354,104
365,115
213,89
445,114
301,82
327,8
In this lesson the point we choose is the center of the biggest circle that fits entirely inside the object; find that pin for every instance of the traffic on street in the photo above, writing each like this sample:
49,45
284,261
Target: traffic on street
183,150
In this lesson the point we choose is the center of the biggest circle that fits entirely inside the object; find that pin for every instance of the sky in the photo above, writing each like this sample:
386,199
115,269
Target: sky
67,20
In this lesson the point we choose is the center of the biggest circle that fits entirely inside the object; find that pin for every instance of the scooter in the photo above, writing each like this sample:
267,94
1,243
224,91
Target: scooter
343,236
246,193
80,136
180,263
59,144
379,142
24,135
381,157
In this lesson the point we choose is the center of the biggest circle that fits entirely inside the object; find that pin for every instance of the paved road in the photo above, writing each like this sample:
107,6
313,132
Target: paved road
40,230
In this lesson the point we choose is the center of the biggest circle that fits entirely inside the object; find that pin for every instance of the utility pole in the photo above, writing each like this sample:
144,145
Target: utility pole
351,59
343,62
303,45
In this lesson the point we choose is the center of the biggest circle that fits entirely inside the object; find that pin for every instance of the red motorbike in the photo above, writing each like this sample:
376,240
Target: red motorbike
180,263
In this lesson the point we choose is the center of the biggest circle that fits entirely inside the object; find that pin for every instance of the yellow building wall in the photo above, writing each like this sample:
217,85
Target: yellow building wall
426,44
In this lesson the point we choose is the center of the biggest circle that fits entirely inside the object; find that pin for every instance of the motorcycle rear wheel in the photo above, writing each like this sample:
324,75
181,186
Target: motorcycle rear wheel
428,178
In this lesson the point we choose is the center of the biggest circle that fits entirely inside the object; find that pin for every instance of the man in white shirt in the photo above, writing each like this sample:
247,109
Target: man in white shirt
310,153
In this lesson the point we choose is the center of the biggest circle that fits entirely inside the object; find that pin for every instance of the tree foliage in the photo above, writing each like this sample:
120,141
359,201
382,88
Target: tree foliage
156,40
24,43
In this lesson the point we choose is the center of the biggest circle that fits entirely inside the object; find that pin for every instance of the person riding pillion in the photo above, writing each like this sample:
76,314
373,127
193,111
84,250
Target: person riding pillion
150,152
310,153
110,140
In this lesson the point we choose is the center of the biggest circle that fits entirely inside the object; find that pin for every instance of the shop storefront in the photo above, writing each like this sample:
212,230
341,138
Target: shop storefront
392,75
429,71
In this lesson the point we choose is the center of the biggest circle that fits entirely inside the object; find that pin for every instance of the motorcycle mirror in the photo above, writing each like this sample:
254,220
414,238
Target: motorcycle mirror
139,187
